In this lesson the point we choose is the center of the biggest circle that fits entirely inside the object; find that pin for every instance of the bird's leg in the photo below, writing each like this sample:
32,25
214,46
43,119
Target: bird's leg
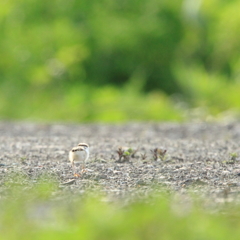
74,170
73,167
83,168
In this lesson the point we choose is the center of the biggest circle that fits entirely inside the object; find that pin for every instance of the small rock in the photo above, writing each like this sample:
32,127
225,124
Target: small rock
69,182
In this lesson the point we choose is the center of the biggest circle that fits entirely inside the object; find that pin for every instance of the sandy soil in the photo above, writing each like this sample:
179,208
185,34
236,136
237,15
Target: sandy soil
200,157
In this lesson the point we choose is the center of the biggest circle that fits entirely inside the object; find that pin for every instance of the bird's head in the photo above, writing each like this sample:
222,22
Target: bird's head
84,147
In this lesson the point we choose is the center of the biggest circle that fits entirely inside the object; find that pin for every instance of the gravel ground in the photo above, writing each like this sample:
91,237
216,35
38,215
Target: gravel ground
200,157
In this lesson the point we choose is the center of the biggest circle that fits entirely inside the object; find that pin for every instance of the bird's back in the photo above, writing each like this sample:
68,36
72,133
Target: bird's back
77,156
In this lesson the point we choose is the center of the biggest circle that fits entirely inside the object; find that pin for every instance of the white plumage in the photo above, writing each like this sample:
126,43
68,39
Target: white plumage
79,155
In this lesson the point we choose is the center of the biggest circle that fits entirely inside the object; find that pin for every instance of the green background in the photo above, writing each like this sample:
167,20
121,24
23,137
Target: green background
119,60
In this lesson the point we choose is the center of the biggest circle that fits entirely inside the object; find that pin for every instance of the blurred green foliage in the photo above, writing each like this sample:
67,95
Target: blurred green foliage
59,57
42,211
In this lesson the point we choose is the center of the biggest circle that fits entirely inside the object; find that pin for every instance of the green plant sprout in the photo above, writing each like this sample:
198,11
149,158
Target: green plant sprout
159,154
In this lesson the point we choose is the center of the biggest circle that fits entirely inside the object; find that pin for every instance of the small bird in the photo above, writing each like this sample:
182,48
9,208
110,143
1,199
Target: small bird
79,154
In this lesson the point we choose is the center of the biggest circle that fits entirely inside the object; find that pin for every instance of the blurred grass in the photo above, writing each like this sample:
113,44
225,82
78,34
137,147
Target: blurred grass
40,213
211,94
85,103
